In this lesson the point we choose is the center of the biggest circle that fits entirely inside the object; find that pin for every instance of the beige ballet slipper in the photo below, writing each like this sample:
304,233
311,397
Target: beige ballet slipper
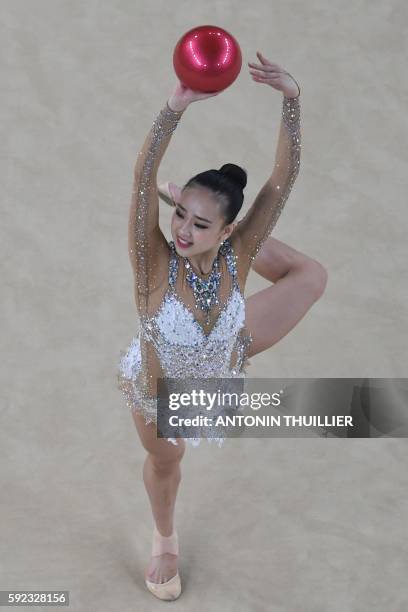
171,589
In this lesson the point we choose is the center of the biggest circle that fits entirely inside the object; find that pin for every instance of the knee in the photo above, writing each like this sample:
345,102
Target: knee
317,277
166,463
321,281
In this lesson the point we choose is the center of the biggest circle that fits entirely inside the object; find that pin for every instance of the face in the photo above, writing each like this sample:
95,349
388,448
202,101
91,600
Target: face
198,219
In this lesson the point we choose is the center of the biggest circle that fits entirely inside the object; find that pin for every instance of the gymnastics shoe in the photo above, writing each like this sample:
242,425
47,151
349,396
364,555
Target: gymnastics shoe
171,589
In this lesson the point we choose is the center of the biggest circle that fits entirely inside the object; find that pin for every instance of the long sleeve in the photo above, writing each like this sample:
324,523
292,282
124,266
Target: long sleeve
147,245
149,256
252,231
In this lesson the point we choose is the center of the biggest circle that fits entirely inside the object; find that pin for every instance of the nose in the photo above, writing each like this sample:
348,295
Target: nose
185,230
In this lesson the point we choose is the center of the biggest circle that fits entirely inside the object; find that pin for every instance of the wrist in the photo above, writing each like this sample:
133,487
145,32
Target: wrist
176,105
292,93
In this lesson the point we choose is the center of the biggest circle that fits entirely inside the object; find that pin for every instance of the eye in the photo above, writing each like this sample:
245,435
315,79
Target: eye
196,224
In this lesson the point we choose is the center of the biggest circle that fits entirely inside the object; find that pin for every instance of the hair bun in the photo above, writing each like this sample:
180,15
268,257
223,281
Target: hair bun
235,173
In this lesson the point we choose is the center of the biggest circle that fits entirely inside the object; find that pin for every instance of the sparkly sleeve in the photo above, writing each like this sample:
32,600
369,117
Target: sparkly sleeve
252,231
147,245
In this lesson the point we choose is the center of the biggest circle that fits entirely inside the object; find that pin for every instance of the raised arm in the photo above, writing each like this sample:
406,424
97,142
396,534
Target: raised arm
147,245
252,231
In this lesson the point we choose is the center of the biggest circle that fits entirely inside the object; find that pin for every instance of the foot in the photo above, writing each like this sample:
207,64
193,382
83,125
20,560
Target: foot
161,568
163,563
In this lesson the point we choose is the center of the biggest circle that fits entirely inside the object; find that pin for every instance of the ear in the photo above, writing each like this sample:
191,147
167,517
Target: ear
231,227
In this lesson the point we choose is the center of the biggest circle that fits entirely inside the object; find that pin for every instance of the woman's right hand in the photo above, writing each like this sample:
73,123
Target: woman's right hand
182,96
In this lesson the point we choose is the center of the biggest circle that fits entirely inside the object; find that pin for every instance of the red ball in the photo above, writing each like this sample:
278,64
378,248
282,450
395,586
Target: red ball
207,59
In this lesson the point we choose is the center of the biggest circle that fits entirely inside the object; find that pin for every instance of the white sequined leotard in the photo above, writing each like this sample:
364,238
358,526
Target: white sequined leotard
181,344
174,339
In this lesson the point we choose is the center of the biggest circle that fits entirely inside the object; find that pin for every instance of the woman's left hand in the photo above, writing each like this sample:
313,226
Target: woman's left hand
274,75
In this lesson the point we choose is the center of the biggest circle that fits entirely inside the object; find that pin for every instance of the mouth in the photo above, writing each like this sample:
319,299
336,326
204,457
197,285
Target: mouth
183,244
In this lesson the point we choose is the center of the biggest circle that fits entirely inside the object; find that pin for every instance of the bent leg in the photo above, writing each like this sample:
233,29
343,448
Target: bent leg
273,312
276,258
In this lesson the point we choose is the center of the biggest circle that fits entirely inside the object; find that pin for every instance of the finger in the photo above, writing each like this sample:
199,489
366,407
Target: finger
266,62
266,79
261,79
261,57
264,69
267,73
267,68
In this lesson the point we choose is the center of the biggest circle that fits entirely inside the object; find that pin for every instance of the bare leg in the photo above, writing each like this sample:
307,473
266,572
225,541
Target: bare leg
162,480
161,477
276,258
299,281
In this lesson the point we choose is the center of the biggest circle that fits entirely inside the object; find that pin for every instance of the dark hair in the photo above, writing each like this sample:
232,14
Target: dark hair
228,182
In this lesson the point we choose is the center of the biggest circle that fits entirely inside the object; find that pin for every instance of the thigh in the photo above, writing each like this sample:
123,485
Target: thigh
160,447
273,312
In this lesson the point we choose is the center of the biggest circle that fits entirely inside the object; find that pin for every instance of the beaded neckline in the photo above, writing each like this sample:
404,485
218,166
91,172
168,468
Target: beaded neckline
225,249
205,290
228,252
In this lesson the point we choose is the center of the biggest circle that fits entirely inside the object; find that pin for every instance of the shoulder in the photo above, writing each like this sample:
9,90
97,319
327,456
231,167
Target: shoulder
158,267
233,252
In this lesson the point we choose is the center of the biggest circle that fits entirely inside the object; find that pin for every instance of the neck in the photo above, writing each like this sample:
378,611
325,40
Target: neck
203,263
